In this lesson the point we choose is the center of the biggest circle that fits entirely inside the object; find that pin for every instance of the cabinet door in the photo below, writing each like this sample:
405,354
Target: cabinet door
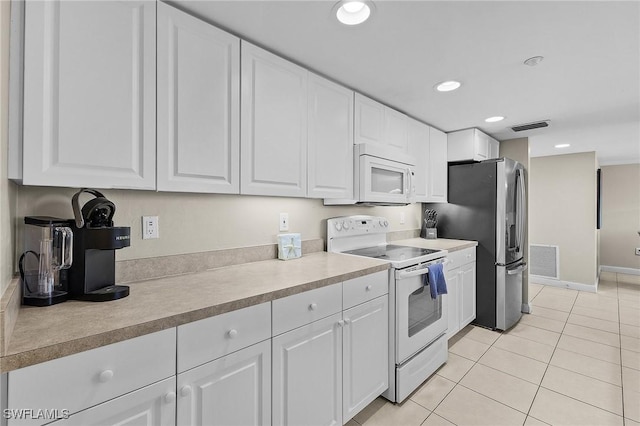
330,139
468,293
453,301
494,148
89,94
307,374
419,150
480,145
274,125
198,105
365,355
232,390
395,129
437,171
152,405
369,120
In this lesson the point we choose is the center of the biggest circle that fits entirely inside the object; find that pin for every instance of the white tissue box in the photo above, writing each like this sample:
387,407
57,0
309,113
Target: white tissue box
289,246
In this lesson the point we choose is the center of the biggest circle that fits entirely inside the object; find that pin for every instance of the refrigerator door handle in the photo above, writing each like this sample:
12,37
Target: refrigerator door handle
520,268
521,213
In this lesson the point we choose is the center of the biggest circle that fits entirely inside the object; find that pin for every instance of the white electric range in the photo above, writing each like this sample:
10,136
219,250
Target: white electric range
417,323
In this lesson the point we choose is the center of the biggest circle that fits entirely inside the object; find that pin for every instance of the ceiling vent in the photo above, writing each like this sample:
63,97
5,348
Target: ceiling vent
530,126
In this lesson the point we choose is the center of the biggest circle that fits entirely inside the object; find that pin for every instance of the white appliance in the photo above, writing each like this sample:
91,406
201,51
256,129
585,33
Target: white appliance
382,176
417,323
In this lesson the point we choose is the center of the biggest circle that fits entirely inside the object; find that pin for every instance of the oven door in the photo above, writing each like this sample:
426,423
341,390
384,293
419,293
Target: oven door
384,181
419,318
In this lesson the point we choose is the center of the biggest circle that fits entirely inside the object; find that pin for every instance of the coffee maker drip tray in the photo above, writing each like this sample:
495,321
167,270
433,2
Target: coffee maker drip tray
104,294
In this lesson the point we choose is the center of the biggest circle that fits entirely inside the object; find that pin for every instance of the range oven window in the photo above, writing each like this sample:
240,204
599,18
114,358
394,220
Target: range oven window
423,310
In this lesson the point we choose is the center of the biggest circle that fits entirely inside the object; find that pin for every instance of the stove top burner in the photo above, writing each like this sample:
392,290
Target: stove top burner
392,252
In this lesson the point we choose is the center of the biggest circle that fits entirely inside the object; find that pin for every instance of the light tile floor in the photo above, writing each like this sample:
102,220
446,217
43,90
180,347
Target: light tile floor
575,360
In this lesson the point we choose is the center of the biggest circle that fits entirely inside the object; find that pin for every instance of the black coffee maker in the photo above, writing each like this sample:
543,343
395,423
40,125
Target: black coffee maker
95,240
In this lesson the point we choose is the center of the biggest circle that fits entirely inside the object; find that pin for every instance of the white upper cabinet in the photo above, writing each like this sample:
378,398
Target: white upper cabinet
90,94
471,145
273,136
198,105
418,134
437,170
378,124
330,139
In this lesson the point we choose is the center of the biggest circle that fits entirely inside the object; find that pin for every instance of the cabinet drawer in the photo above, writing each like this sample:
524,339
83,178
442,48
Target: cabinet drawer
363,289
300,309
460,257
89,378
205,340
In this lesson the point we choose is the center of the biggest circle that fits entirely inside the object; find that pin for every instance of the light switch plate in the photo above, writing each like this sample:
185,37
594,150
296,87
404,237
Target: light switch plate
284,221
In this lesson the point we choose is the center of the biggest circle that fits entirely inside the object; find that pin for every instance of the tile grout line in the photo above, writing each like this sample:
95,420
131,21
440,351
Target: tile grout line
550,358
621,366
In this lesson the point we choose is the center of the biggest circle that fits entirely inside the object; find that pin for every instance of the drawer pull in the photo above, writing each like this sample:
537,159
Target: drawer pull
105,376
313,306
185,391
232,333
170,397
368,288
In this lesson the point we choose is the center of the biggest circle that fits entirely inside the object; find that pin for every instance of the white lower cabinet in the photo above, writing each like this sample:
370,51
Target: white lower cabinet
460,274
365,368
232,390
307,374
151,405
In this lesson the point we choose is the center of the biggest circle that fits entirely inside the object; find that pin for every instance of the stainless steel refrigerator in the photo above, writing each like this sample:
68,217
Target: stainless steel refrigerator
486,203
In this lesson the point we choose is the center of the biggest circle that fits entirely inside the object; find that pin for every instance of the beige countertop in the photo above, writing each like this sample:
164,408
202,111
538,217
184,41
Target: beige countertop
437,244
43,334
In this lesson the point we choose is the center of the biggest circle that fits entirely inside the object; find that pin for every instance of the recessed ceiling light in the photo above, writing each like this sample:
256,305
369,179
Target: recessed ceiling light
532,62
563,145
447,86
494,119
353,12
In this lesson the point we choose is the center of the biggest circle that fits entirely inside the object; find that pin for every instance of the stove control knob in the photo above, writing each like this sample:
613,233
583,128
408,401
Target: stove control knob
338,226
386,223
381,222
345,225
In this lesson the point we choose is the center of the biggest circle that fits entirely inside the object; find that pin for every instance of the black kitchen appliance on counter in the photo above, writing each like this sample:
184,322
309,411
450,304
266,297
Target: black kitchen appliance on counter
92,275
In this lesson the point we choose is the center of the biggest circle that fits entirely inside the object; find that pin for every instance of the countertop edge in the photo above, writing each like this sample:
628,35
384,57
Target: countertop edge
18,360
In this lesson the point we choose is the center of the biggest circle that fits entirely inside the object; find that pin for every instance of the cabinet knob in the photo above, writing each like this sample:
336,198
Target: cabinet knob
232,333
185,391
170,397
340,323
313,306
105,376
347,321
368,288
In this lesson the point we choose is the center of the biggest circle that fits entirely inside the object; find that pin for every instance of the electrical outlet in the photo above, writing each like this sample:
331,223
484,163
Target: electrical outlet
401,218
637,251
284,221
150,227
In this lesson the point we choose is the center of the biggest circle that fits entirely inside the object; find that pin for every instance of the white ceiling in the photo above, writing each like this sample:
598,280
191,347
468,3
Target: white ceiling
588,85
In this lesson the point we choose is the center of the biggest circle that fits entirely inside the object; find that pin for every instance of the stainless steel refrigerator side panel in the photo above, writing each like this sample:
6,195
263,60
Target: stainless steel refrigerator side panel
501,208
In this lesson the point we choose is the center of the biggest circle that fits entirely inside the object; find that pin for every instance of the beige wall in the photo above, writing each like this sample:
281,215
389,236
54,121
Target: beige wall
518,150
191,223
620,216
7,189
562,206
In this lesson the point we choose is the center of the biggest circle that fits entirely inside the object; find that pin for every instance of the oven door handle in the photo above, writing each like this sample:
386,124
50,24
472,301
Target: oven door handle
400,275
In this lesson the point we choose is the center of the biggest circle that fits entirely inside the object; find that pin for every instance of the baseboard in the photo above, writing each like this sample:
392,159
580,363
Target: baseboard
537,279
620,270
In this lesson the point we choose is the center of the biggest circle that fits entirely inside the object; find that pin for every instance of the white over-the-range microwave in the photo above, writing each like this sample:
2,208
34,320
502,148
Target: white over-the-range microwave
381,176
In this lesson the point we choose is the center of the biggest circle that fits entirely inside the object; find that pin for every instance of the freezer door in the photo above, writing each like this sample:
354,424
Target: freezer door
509,294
